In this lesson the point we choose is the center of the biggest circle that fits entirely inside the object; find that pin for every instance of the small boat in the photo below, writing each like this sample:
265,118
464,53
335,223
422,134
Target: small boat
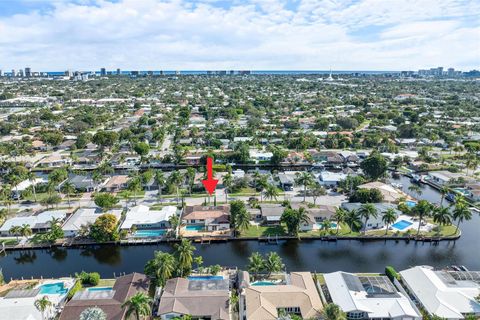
397,185
395,175
463,268
416,178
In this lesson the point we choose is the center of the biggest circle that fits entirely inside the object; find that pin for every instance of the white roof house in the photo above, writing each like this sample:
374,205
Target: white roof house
36,222
447,294
84,216
369,297
331,178
142,217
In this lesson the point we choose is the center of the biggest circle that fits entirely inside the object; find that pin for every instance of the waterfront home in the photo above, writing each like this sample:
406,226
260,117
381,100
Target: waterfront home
287,181
264,300
373,222
207,218
37,222
315,215
331,179
271,213
141,217
199,297
19,302
369,297
446,294
84,217
110,300
389,193
84,183
446,178
260,156
54,160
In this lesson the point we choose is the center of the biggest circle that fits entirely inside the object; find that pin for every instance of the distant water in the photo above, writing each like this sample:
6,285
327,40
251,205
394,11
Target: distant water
253,72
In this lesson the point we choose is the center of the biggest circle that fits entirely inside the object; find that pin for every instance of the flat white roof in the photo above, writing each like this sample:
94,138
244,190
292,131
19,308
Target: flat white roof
22,186
84,216
375,295
143,215
441,294
33,220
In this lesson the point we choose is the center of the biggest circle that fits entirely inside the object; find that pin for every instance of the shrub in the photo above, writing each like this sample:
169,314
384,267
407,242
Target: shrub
76,287
391,273
92,278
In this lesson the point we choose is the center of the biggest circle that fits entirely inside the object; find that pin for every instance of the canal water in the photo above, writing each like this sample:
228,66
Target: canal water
314,255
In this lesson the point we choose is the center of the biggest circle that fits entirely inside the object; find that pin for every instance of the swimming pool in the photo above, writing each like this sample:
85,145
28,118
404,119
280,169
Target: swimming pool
53,288
195,228
263,283
402,224
193,278
410,203
333,225
100,289
149,233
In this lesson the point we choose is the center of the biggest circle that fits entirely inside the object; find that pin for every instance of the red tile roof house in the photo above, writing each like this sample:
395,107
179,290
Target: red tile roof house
110,301
210,217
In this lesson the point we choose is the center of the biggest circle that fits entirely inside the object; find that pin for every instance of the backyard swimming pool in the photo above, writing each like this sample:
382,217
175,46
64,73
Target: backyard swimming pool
53,288
149,233
263,283
333,225
193,278
410,203
195,228
402,224
100,289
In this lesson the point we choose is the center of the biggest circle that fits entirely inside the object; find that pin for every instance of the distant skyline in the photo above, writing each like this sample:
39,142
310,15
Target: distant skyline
381,35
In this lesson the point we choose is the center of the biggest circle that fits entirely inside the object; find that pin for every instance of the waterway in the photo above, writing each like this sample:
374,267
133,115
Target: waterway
313,255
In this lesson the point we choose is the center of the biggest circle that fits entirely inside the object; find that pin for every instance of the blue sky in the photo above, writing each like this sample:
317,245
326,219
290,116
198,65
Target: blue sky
251,34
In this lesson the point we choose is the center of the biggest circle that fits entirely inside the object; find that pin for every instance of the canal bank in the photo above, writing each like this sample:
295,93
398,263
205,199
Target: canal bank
304,255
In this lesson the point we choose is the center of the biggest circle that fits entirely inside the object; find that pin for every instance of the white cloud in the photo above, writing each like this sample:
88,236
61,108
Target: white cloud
259,34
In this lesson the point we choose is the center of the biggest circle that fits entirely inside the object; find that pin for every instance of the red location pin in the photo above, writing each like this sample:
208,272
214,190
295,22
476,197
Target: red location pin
210,184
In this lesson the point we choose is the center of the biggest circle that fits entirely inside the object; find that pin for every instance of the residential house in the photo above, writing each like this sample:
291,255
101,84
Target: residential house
84,217
116,183
369,297
38,223
449,295
54,161
389,193
271,213
331,179
110,301
287,181
315,215
446,178
373,222
198,298
207,218
298,296
143,218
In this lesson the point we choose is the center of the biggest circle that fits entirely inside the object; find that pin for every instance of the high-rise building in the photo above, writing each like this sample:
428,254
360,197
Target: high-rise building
20,73
13,74
1,73
69,73
103,72
451,72
28,72
118,72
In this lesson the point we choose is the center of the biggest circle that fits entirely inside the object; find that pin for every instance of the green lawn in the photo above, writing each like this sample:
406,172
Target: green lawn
9,242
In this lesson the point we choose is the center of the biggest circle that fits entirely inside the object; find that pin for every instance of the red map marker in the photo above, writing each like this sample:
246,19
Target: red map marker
210,184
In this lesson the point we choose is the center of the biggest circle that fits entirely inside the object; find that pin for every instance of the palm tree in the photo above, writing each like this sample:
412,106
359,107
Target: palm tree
25,230
160,180
138,304
271,192
174,223
389,217
423,209
340,217
442,216
242,221
256,177
184,252
416,190
161,267
176,178
333,312
135,185
444,190
125,195
317,191
93,313
190,175
256,263
273,263
326,226
263,183
304,179
227,182
32,177
353,220
68,188
15,230
367,211
16,181
42,305
461,212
